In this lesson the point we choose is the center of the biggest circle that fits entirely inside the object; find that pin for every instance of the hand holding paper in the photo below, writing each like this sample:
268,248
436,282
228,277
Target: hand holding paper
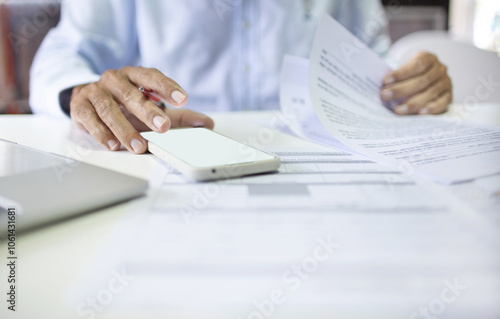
422,85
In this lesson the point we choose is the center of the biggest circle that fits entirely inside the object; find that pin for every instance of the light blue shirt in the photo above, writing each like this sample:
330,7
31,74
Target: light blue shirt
226,54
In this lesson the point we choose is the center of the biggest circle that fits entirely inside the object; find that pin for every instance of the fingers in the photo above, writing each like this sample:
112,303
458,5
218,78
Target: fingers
136,103
96,109
439,105
153,79
417,104
421,86
413,85
416,66
88,118
188,118
83,113
111,115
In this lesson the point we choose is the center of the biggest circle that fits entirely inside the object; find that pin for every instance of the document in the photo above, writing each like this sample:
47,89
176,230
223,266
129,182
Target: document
298,115
344,81
331,235
320,180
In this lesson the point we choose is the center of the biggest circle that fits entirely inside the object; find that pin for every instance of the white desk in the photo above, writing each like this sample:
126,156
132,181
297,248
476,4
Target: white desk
52,259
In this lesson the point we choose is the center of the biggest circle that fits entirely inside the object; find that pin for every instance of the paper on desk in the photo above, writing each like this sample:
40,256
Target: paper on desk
221,249
344,80
313,234
322,180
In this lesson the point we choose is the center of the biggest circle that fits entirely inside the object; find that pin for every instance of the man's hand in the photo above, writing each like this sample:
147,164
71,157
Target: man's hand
113,109
421,86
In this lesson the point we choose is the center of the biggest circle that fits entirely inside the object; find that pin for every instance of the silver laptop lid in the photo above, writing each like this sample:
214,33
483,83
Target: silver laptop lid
43,187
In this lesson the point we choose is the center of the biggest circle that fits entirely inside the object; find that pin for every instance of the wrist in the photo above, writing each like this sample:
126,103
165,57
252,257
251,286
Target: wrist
67,95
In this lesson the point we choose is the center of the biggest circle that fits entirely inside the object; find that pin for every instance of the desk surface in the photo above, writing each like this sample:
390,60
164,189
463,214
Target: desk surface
53,258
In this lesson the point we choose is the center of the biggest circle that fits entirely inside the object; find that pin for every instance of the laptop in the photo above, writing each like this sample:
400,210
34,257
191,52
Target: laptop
38,187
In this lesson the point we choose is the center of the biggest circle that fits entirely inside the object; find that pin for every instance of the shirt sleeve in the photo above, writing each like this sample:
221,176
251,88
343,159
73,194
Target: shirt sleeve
92,36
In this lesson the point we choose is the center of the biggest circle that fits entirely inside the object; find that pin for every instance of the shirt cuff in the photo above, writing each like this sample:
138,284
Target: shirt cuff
65,99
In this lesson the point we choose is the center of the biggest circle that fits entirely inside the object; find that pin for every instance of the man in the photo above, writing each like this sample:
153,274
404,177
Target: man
226,53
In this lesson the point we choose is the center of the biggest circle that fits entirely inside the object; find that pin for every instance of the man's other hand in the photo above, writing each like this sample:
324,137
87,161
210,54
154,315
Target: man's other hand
421,86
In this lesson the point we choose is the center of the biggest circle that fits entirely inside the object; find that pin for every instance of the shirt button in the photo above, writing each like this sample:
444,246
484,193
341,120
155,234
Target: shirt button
246,24
246,68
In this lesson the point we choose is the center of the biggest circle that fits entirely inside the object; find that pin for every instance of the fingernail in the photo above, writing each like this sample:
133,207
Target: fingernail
112,144
402,109
178,96
387,94
389,80
158,121
424,111
136,145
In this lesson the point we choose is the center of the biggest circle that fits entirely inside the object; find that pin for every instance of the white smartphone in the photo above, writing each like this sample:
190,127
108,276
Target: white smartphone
202,154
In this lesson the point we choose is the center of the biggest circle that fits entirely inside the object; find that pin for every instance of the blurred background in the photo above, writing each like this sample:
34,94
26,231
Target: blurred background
24,23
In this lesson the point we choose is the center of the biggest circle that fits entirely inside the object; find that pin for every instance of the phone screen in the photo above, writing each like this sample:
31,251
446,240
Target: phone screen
200,147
